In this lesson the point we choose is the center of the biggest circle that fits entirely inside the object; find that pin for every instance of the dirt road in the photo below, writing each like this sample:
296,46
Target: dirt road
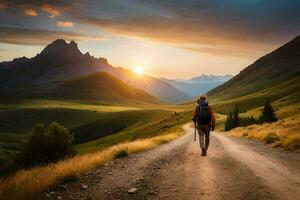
234,169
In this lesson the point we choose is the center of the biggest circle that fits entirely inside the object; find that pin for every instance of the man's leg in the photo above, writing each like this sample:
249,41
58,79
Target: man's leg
207,138
201,140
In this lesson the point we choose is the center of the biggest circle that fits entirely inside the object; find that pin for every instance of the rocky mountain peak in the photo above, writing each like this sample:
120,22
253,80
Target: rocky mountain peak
61,47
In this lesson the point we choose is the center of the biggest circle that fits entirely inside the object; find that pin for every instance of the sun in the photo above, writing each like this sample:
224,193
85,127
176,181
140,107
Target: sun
139,70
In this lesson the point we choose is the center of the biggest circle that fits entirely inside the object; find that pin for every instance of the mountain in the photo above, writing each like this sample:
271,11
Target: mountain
198,85
275,76
62,61
98,87
210,78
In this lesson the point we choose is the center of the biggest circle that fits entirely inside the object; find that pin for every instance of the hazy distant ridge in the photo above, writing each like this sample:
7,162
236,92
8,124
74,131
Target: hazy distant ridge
199,84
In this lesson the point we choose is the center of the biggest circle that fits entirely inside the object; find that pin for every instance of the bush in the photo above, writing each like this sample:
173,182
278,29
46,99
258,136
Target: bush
3,157
45,145
122,153
271,138
293,143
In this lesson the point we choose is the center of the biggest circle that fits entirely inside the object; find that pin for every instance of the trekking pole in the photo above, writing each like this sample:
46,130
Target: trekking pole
195,132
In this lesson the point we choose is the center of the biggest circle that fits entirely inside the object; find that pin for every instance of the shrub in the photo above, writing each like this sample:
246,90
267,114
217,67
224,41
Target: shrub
45,145
271,138
3,157
122,153
293,143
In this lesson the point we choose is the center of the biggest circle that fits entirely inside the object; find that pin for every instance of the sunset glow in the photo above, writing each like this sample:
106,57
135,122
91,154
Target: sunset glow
139,70
222,40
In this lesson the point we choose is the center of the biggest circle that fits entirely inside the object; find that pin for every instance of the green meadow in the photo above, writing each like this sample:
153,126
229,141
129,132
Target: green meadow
106,124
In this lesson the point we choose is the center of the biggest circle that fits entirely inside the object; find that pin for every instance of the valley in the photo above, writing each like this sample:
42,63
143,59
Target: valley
110,116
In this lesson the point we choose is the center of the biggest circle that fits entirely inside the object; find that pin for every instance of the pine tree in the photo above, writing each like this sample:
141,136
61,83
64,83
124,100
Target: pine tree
268,113
235,122
228,123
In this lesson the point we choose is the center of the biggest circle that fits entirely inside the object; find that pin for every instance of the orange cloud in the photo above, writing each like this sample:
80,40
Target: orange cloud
65,24
54,12
30,12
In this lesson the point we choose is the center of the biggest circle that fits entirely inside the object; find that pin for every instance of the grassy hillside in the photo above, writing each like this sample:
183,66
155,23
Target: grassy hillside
98,87
282,95
279,66
142,130
86,121
275,76
151,127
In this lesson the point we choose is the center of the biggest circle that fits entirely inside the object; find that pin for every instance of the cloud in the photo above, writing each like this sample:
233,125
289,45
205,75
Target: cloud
228,27
54,7
54,12
187,36
30,12
65,23
26,36
234,27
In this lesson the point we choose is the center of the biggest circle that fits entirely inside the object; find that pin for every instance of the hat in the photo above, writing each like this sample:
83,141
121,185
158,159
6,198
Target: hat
203,97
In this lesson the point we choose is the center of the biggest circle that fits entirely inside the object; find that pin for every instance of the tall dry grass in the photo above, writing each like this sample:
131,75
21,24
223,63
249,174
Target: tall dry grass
284,133
28,184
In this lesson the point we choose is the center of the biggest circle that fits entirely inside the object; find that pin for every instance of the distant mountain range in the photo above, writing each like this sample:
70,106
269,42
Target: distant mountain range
275,76
198,85
61,61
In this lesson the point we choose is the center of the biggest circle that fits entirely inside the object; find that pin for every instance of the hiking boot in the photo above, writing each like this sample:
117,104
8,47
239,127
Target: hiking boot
204,153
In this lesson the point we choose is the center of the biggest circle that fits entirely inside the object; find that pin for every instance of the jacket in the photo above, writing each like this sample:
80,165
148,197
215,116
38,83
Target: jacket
212,114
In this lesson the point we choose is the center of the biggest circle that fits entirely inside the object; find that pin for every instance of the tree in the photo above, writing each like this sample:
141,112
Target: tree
236,119
45,145
228,123
268,113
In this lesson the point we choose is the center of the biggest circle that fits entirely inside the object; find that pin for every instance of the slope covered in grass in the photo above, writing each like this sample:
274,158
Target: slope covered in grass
275,76
153,128
86,125
98,87
28,184
279,66
282,95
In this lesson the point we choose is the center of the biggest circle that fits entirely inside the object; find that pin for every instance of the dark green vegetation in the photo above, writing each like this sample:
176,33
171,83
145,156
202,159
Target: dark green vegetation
275,76
267,115
154,128
271,138
45,145
86,125
122,153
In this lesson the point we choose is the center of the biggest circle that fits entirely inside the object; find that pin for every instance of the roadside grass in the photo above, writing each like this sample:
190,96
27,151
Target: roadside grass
28,184
283,133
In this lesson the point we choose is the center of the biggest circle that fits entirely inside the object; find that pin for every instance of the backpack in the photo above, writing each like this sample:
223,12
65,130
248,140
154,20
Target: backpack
203,113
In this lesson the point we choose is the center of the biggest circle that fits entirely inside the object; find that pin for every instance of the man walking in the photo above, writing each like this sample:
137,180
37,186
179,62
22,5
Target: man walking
204,119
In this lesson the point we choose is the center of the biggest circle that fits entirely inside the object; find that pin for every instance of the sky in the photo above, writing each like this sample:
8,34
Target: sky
168,38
